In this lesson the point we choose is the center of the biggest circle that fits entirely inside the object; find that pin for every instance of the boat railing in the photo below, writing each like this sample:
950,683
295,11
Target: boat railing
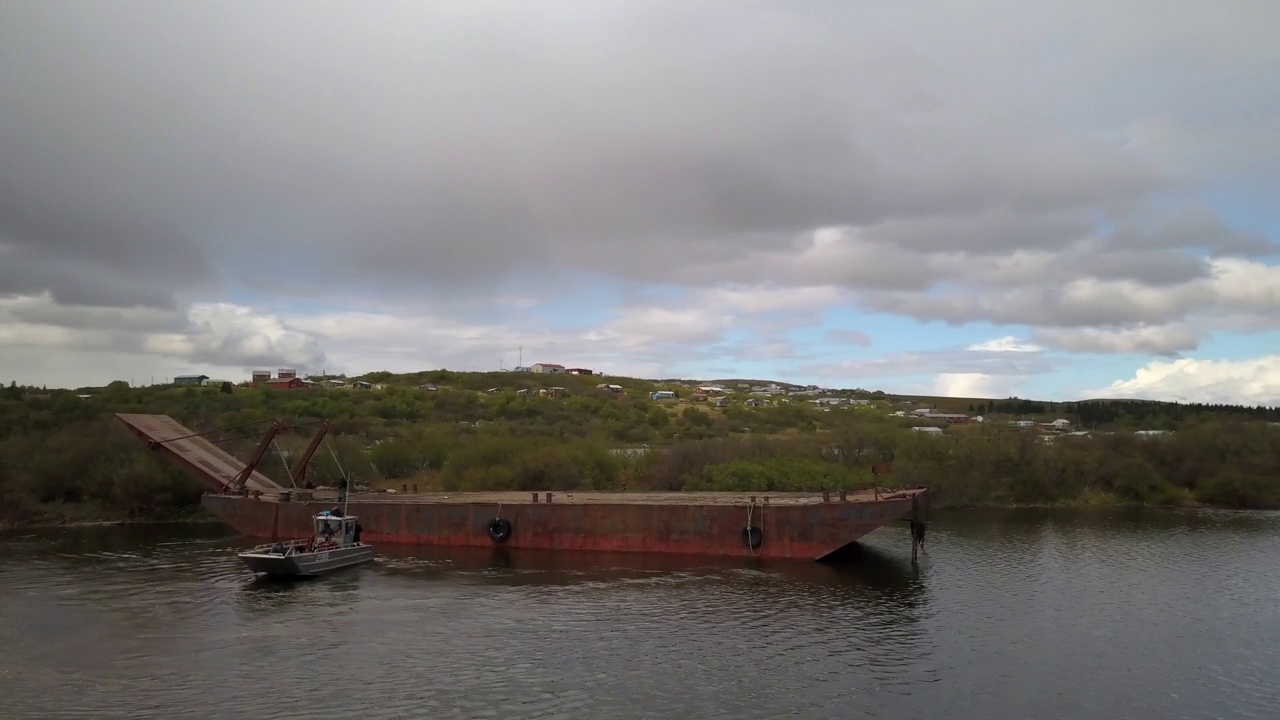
286,544
322,547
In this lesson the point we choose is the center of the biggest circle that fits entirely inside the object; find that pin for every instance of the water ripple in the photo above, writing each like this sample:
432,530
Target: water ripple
1105,614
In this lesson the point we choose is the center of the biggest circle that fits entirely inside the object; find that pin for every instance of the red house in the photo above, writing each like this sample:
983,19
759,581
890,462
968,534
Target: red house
285,383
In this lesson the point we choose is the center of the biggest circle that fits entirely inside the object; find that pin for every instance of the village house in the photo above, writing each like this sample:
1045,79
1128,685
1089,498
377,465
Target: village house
289,383
547,368
607,387
190,379
929,414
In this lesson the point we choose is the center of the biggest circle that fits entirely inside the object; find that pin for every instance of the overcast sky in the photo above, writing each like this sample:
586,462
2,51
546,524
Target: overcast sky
1055,199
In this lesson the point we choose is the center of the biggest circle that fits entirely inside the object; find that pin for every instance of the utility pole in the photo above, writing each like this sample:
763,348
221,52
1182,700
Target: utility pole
520,357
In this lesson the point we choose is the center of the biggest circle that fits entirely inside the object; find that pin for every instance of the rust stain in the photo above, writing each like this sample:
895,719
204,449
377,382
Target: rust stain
794,526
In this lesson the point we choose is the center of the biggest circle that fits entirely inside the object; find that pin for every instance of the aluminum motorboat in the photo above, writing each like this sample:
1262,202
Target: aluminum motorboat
334,545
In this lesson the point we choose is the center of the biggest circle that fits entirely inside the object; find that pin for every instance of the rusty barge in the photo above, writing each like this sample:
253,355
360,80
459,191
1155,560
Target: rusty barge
798,526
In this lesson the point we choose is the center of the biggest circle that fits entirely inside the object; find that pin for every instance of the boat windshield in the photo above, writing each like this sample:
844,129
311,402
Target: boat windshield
335,530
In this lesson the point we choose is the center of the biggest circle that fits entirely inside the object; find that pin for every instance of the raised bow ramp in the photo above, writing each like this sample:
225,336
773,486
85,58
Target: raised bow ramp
191,451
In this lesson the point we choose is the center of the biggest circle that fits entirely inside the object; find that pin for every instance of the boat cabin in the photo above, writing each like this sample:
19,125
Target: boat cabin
333,529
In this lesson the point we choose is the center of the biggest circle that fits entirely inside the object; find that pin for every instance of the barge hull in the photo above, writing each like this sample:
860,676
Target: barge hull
798,531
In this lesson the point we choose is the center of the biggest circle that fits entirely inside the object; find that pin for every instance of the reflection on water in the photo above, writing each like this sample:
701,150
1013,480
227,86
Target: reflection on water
1027,614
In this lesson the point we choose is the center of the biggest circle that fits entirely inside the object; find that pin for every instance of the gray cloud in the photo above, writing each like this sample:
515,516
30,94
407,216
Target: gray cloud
446,152
1164,340
210,334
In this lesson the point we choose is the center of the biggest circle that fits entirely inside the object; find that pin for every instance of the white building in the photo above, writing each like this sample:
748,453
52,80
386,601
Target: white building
547,368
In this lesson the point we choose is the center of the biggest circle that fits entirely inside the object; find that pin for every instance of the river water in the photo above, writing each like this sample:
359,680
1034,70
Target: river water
1009,614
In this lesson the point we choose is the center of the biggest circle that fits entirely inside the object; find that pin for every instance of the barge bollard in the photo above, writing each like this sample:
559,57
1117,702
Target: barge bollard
404,487
826,496
918,528
548,497
415,487
535,497
844,495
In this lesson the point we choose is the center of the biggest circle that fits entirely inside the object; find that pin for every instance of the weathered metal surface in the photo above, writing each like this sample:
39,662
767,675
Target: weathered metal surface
628,498
794,526
210,464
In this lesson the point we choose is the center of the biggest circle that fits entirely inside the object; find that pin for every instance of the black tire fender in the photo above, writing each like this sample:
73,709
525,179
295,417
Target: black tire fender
499,530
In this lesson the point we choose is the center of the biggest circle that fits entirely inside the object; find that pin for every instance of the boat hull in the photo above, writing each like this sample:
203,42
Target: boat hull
801,531
304,565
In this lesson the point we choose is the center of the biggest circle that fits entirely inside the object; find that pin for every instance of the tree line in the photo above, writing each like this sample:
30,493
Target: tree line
66,457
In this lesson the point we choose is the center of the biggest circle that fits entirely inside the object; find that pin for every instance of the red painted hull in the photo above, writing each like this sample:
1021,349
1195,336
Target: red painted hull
791,531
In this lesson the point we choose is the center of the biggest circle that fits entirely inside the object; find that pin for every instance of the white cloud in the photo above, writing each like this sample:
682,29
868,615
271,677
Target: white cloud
215,335
973,385
227,334
653,337
644,338
1255,381
1008,343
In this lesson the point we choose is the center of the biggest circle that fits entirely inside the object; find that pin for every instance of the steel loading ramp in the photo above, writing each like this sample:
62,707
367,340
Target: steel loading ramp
189,450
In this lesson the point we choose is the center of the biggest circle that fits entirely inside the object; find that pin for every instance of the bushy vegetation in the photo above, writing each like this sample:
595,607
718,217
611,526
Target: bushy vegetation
64,456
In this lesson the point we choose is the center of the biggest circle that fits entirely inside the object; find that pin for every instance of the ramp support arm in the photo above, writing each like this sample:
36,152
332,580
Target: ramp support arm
243,476
299,472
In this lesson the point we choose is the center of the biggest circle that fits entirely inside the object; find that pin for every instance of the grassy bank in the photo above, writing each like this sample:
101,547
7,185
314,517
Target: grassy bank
64,458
